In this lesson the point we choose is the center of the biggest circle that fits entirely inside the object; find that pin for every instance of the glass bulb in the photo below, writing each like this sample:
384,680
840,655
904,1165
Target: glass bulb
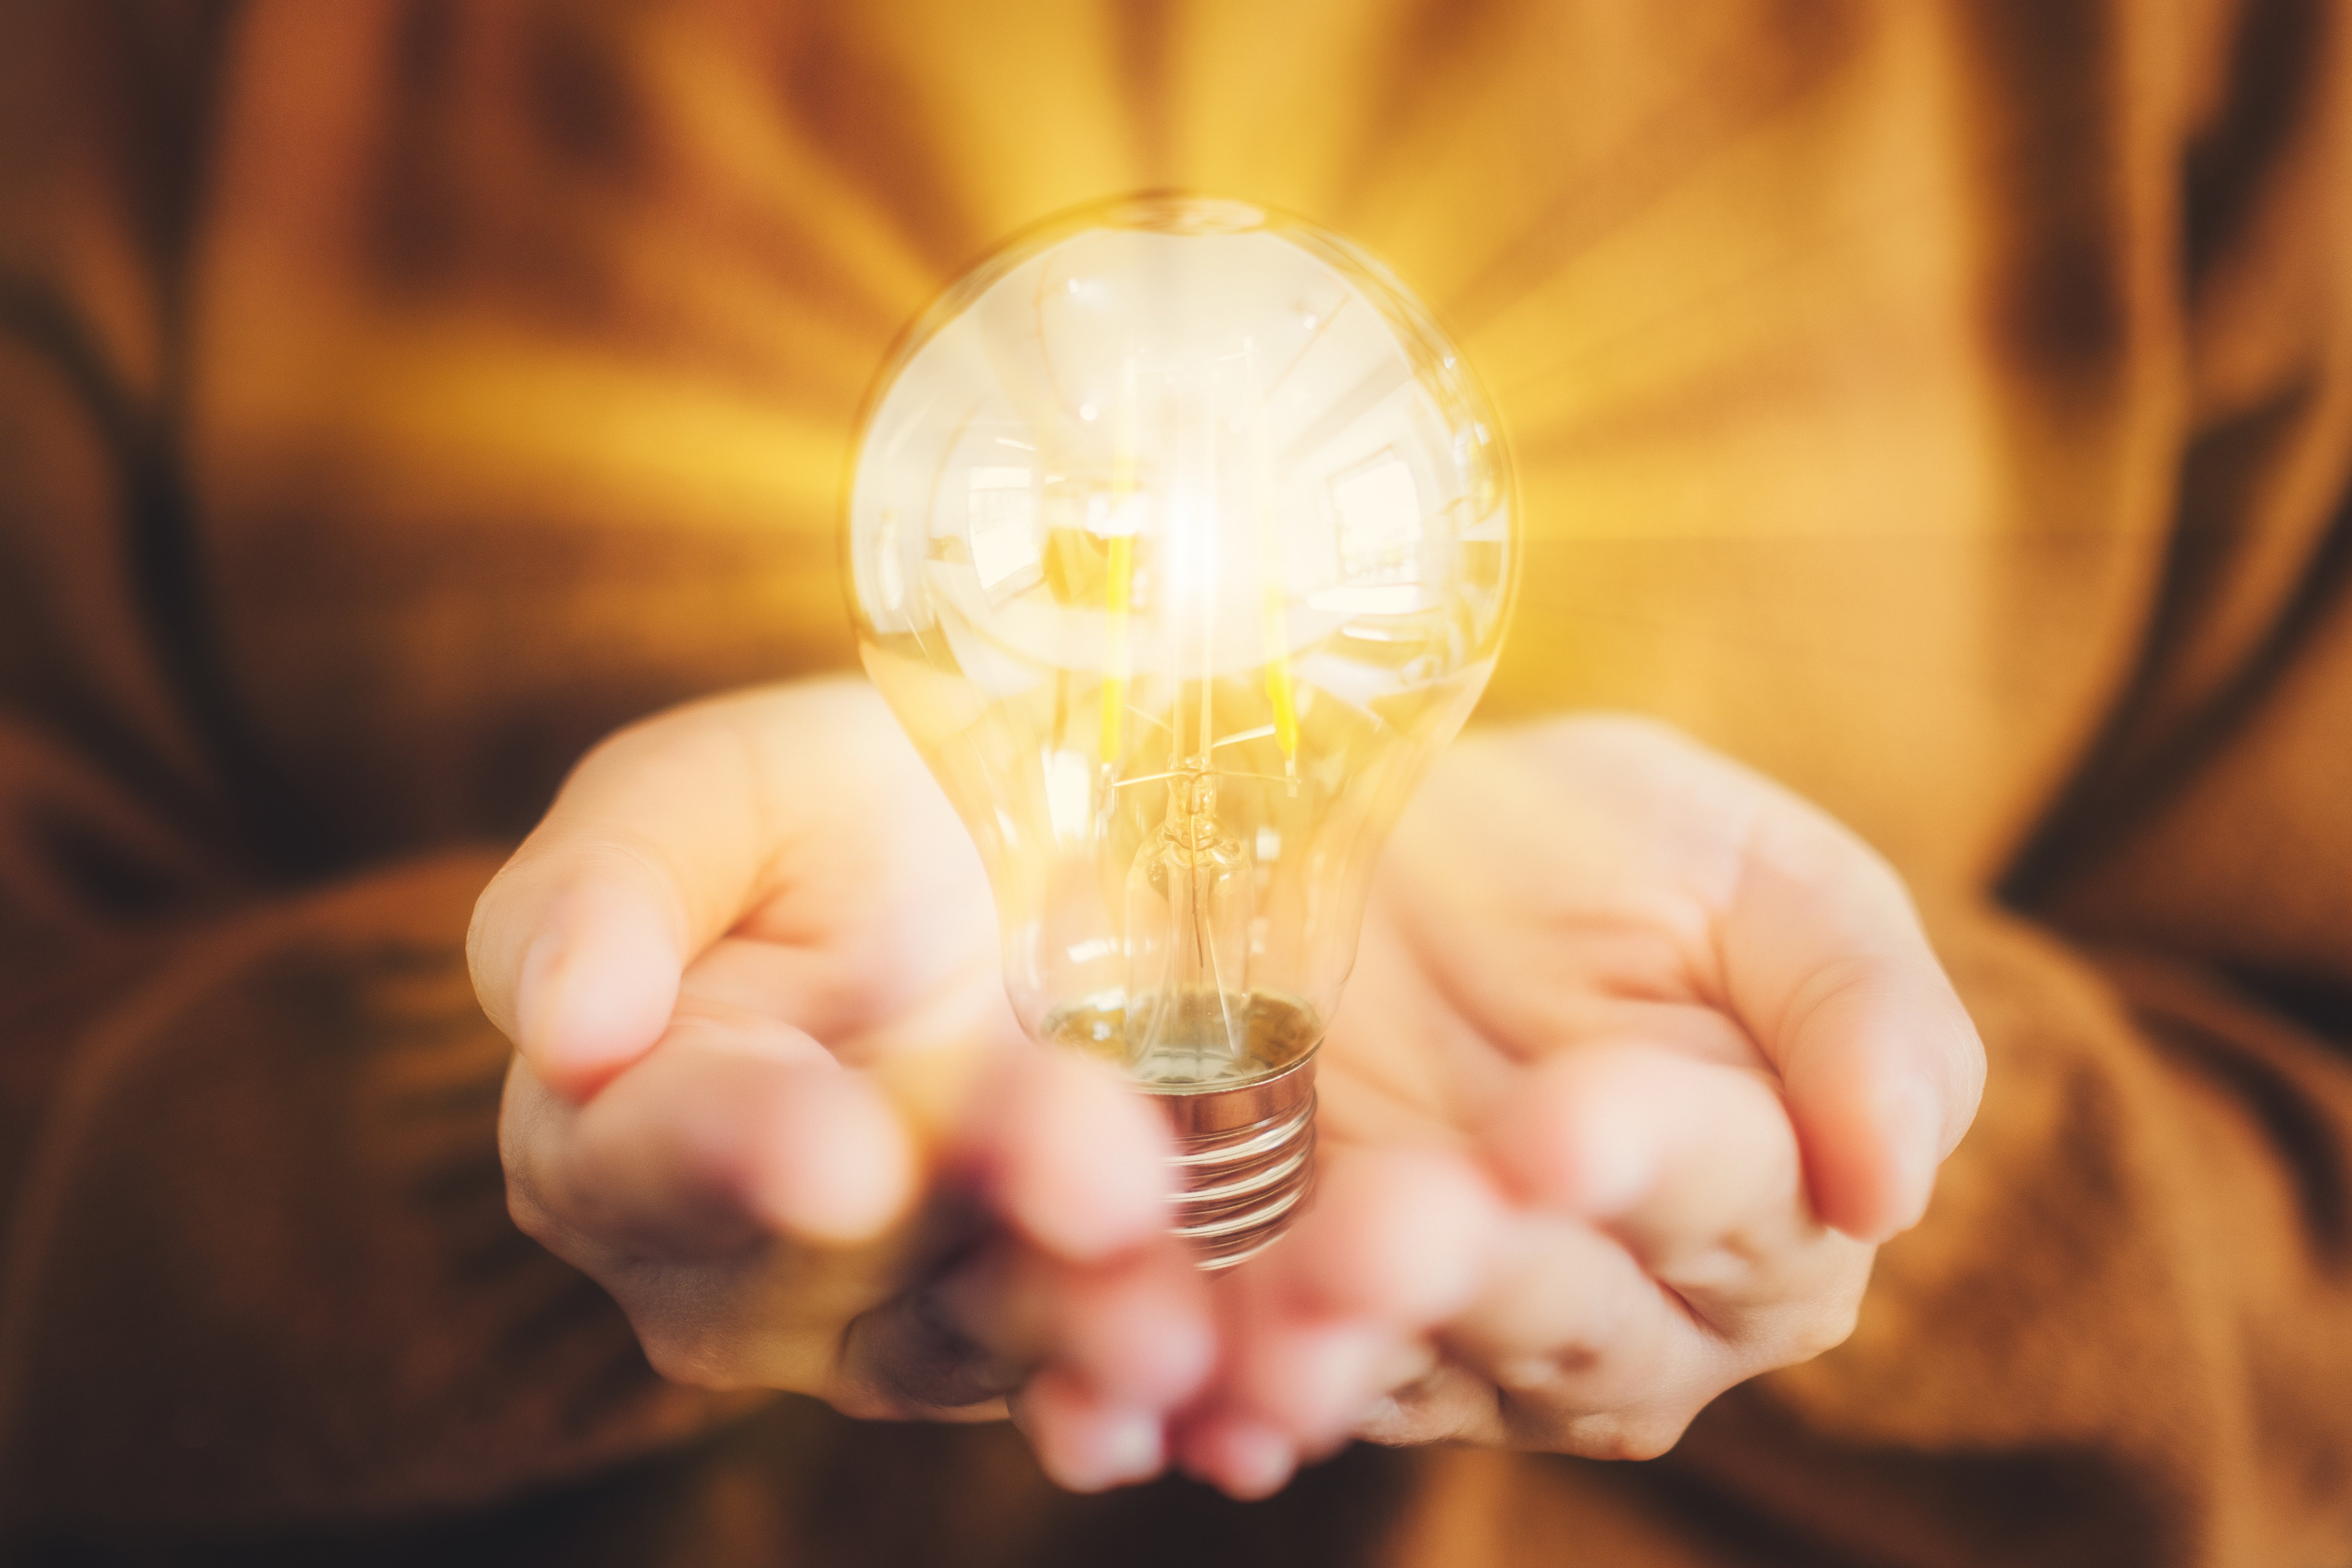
1180,539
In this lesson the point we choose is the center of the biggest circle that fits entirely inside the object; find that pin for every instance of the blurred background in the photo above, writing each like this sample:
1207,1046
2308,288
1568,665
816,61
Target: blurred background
1946,407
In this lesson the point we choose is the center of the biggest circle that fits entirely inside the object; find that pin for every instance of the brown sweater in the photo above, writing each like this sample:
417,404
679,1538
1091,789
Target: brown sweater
1944,405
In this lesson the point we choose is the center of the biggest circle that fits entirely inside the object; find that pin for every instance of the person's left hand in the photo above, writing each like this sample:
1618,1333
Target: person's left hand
1642,1058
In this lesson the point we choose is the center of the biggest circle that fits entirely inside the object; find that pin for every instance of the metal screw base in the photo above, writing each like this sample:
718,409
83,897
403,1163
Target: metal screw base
1245,1160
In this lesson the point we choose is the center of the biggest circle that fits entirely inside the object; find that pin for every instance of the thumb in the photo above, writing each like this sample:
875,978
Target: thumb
576,954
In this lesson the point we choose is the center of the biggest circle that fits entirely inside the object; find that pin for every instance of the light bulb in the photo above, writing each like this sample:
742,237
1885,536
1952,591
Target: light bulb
1180,539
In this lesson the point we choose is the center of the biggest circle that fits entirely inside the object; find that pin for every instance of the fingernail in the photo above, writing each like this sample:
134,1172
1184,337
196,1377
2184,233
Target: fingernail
1081,1190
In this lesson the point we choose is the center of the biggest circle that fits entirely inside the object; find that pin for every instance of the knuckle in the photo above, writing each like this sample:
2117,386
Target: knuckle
1448,1404
1629,1436
684,1356
1631,732
674,1361
861,1402
1823,1330
529,1214
487,905
534,1192
631,741
1559,1373
1652,1440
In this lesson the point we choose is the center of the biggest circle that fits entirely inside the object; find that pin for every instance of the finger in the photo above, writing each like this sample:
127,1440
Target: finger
727,1131
648,852
1397,1242
1565,1309
1692,1165
658,842
1400,1235
579,962
782,981
908,1358
1448,1401
1140,1332
1824,957
1067,1155
821,990
1244,1458
1579,1350
1136,1330
1308,1380
1083,1441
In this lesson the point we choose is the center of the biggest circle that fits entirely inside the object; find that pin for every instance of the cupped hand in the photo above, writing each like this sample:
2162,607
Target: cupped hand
767,1090
1642,1058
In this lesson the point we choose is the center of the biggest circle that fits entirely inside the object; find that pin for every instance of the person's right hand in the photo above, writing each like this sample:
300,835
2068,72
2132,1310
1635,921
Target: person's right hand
767,1091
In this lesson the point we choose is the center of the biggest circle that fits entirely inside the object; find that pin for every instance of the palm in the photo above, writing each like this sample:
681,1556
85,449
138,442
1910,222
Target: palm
1536,899
881,938
1652,1024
